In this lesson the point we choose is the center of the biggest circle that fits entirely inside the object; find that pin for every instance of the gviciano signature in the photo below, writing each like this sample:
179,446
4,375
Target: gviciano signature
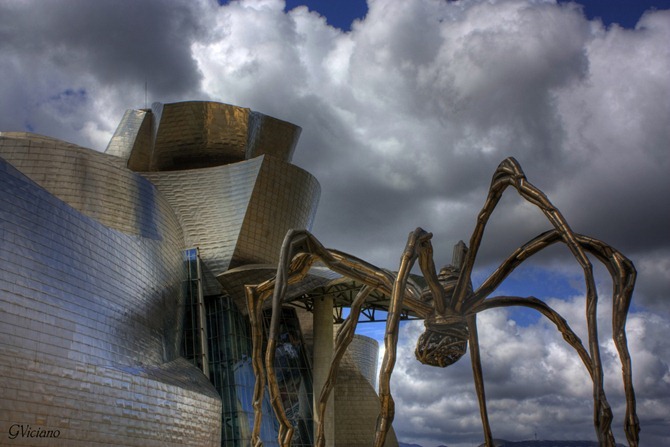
26,431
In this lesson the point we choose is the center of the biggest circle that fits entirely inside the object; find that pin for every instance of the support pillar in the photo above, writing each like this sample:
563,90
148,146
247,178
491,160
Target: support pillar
323,354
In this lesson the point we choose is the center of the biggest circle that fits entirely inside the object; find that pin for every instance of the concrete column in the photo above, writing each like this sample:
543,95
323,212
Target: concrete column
323,353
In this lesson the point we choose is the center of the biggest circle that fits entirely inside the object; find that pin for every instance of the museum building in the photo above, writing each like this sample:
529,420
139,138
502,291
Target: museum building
122,311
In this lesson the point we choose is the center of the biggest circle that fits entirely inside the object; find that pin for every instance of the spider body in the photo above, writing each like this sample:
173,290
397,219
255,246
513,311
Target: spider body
444,341
449,306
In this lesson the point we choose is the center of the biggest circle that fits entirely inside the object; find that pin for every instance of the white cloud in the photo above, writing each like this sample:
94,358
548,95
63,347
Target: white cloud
535,383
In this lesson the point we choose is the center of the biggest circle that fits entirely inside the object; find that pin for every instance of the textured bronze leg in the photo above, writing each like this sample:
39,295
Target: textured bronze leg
417,242
448,310
299,251
479,378
509,173
623,276
564,328
254,305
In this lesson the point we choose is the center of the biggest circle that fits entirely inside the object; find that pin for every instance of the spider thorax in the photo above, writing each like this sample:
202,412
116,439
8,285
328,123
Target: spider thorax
445,339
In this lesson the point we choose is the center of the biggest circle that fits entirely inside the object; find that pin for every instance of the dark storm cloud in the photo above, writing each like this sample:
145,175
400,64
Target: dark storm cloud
70,68
119,43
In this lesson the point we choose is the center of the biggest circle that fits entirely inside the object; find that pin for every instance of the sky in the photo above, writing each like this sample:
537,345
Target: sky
406,112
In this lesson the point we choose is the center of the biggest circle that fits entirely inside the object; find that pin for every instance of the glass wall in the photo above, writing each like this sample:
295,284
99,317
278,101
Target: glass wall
294,376
226,360
191,340
232,374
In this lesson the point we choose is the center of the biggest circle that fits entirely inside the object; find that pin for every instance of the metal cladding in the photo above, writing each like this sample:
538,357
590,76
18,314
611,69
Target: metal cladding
92,275
356,402
226,172
196,134
262,199
94,292
91,299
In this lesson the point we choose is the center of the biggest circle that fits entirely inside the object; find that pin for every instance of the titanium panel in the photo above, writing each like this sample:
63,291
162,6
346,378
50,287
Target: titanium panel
97,185
92,267
200,134
284,197
133,139
271,136
90,325
211,204
239,213
356,408
364,352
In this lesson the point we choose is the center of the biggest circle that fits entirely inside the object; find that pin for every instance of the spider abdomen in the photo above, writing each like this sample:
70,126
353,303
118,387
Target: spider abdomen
442,343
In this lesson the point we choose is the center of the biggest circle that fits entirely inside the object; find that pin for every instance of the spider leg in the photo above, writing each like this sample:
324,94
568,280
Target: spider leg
344,337
255,306
427,266
299,251
417,242
256,296
561,324
509,173
476,361
623,276
605,438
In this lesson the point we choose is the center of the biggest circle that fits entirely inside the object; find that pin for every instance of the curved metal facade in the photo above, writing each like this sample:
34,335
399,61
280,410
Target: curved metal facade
239,213
90,321
197,134
94,290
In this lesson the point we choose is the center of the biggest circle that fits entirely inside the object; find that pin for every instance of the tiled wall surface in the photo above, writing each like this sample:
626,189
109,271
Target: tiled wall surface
90,315
356,408
284,197
363,352
193,134
239,213
199,134
97,185
211,204
133,139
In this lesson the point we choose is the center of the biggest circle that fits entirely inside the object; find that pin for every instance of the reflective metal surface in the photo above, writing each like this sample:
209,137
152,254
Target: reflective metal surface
93,282
225,171
198,134
133,138
363,352
239,213
95,184
356,402
91,301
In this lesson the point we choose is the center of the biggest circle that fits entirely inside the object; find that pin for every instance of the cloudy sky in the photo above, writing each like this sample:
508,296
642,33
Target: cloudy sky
406,112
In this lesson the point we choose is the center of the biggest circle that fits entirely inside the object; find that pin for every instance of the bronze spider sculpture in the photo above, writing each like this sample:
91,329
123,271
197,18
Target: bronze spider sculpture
449,306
